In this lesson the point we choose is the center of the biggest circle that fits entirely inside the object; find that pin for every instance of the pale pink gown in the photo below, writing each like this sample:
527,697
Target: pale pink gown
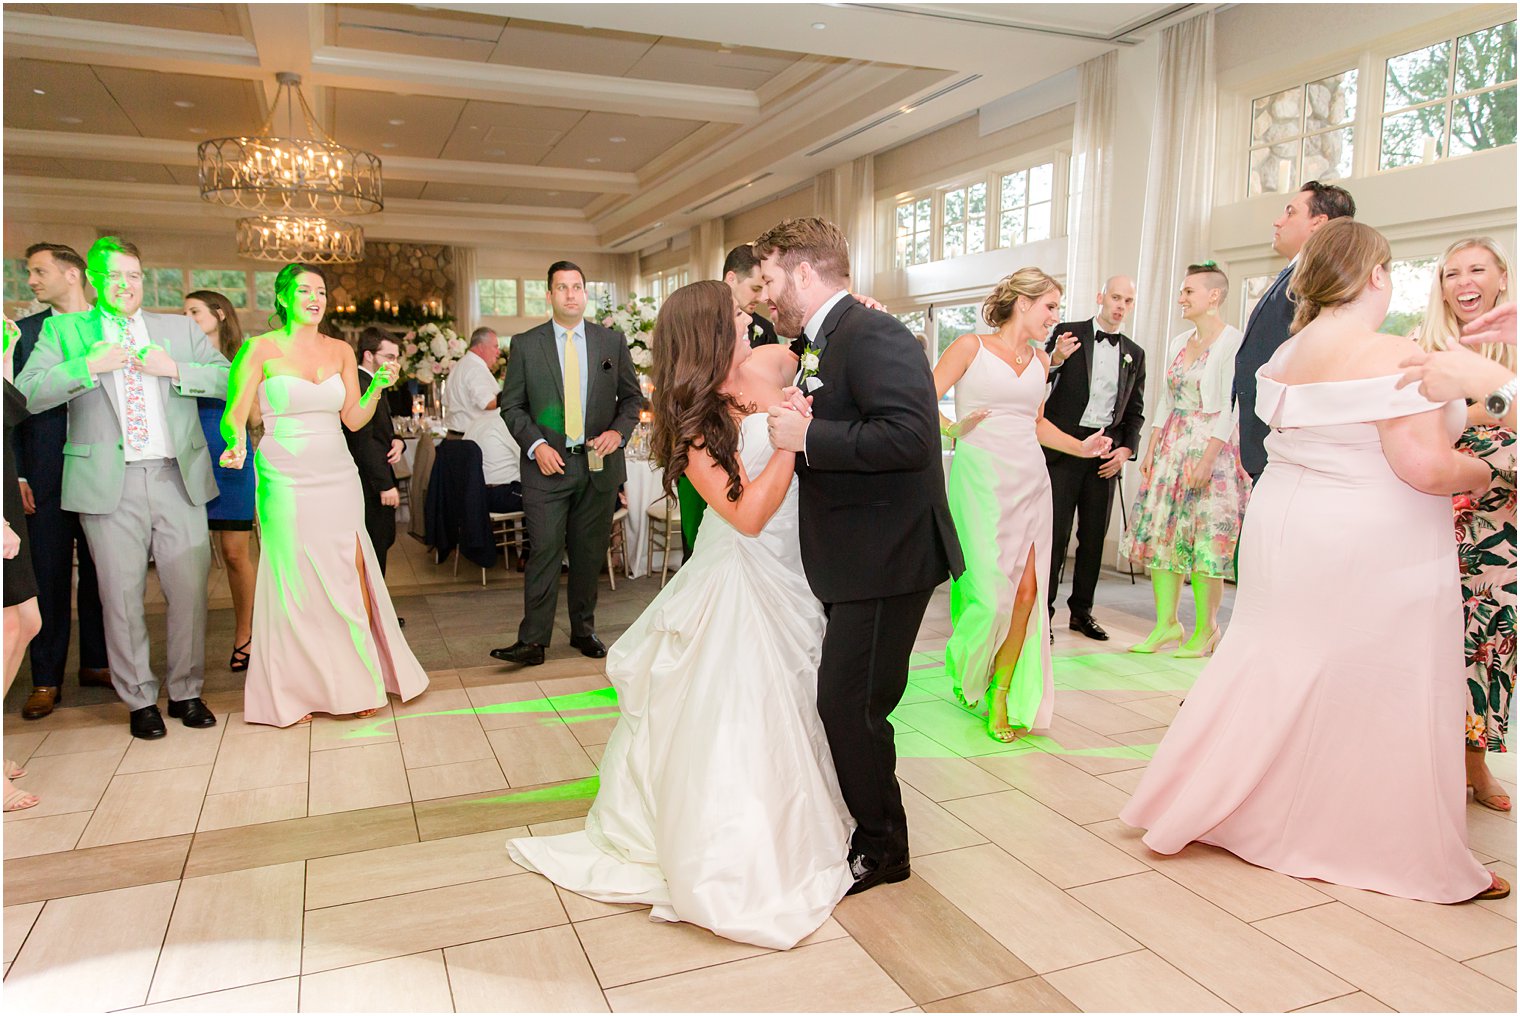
1324,738
315,649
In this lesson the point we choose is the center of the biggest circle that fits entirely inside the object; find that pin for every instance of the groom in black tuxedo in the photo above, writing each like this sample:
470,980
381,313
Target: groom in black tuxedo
1097,378
876,532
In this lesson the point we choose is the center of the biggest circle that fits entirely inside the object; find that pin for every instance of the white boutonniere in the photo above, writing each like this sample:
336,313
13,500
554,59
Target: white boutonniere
1128,359
808,379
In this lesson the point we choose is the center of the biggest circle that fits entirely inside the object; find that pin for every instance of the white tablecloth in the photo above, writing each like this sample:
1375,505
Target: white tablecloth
643,490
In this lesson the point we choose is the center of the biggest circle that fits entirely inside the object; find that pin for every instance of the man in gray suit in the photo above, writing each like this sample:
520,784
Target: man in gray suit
136,470
570,400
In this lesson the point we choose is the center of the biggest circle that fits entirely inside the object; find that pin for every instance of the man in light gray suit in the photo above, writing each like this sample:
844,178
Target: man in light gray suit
571,399
136,470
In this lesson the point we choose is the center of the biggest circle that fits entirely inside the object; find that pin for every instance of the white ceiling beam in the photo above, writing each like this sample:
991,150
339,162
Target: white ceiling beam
158,151
109,44
423,75
285,36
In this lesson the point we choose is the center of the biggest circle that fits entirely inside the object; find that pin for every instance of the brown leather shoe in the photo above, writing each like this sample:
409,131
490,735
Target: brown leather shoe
41,703
95,677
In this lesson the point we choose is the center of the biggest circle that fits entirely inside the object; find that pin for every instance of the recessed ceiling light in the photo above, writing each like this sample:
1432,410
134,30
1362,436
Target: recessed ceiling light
39,91
396,122
496,151
69,119
387,144
593,160
197,130
552,194
129,179
184,103
819,25
617,140
461,198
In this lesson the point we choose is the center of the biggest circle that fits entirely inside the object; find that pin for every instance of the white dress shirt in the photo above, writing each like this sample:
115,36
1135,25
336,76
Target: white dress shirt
561,336
810,336
498,452
160,444
469,389
1103,383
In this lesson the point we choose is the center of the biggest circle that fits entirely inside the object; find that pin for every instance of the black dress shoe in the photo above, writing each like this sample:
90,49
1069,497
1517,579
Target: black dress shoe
1085,624
869,874
192,713
589,645
148,723
529,654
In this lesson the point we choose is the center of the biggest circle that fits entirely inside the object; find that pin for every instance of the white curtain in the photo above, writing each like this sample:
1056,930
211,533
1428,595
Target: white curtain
466,293
707,250
845,196
1178,186
1087,251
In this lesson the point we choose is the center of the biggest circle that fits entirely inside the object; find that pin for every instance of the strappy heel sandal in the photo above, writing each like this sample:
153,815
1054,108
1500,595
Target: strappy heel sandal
1012,733
1497,889
240,657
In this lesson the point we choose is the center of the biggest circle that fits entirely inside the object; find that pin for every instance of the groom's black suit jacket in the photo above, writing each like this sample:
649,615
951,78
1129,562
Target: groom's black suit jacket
872,504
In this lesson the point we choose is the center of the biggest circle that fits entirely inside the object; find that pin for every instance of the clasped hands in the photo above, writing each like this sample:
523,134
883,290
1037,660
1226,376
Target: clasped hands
1462,373
788,420
552,463
105,356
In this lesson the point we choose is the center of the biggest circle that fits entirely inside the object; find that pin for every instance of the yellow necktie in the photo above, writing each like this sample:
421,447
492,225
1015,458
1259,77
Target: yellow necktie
575,415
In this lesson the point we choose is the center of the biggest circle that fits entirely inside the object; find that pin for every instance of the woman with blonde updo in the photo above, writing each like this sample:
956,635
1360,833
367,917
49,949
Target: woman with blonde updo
999,494
1471,279
1321,739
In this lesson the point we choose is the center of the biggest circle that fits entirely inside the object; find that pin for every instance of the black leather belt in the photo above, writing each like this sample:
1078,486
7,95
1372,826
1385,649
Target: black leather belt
577,450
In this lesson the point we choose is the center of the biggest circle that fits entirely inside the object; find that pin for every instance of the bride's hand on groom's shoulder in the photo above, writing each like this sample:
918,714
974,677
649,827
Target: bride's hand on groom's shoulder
787,427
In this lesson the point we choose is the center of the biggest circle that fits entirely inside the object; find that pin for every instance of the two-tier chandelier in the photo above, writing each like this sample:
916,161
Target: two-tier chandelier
297,181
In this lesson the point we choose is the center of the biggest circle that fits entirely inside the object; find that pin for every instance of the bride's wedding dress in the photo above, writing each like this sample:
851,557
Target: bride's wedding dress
718,802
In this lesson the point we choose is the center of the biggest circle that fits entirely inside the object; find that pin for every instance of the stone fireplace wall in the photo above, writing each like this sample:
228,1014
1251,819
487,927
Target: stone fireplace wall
398,272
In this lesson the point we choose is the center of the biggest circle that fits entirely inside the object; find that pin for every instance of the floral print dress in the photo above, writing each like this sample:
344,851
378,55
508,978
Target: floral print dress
1176,527
1486,554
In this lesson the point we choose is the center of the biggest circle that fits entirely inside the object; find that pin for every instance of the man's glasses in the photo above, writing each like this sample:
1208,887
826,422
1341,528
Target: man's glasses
117,278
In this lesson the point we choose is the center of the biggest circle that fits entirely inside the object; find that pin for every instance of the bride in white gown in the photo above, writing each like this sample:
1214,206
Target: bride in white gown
718,803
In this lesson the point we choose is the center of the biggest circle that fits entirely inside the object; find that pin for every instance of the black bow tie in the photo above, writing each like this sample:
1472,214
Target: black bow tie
1112,337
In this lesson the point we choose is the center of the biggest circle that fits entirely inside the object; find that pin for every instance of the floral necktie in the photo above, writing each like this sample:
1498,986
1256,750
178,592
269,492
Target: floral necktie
132,383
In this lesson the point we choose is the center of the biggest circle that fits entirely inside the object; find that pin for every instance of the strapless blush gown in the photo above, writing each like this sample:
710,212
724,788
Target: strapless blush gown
316,649
1324,739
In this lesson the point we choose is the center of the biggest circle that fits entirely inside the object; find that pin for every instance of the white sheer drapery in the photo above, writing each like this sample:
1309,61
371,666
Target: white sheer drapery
1092,166
1179,184
466,292
707,250
845,196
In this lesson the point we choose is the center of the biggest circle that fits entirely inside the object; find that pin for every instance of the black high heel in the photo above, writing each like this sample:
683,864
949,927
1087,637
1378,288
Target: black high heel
240,657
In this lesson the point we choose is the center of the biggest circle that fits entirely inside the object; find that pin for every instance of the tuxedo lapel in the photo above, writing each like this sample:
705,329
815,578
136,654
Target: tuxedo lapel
550,347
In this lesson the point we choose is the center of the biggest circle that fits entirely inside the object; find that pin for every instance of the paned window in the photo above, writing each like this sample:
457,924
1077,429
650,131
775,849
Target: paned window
964,229
498,297
1303,133
231,283
914,231
1024,204
1450,98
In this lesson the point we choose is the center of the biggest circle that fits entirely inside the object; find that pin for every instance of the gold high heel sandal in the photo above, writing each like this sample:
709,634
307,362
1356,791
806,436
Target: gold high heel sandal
1185,653
1173,634
1012,733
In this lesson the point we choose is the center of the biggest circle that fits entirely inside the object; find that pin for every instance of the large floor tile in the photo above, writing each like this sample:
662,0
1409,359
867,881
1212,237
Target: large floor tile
183,747
582,909
231,929
271,757
1031,994
454,779
95,870
270,996
98,736
957,730
1051,844
1227,956
348,779
46,835
1134,982
835,976
432,919
932,829
409,867
1040,924
1491,834
68,783
926,943
534,971
91,953
256,846
499,705
522,806
1391,967
253,807
329,732
148,805
1061,787
1459,932
1357,1001
542,753
1498,965
1244,890
440,728
1098,715
927,767
417,983
18,924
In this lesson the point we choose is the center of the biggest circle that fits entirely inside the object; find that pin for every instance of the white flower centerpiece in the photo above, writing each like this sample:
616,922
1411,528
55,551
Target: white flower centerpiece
432,353
635,319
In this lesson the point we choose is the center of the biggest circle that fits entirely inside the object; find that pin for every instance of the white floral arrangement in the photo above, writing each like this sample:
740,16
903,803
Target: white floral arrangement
431,353
635,319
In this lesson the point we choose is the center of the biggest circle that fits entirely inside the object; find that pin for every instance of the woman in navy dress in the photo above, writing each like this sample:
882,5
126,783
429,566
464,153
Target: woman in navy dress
230,514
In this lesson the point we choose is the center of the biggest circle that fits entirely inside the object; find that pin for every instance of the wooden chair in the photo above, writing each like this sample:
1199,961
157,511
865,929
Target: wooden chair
664,520
617,546
510,530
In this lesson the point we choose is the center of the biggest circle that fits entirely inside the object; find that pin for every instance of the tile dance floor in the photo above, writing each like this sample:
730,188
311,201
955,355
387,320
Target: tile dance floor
359,865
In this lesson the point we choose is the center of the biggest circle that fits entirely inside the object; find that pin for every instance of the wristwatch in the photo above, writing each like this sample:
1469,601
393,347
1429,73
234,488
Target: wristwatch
1499,402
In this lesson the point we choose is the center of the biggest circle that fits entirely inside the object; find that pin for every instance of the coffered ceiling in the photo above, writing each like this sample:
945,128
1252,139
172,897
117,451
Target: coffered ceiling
604,126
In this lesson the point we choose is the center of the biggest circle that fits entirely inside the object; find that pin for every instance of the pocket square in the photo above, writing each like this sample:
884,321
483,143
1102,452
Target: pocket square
607,364
811,385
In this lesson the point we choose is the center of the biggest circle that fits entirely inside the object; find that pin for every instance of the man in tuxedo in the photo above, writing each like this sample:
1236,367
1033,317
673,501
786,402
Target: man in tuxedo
55,274
376,448
876,532
741,271
1314,205
1098,381
137,471
570,400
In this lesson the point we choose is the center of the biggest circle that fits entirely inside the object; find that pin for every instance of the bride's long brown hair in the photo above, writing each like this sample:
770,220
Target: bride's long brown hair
693,353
